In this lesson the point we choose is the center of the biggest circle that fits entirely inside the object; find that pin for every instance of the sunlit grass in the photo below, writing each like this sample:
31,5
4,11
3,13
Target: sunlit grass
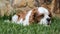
12,28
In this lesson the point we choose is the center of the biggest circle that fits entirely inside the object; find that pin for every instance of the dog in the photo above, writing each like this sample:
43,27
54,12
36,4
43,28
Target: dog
39,15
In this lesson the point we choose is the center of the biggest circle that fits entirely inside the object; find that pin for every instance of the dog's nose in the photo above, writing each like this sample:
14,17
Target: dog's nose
48,19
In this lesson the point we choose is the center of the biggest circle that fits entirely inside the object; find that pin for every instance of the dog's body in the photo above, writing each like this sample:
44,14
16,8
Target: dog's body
24,18
40,15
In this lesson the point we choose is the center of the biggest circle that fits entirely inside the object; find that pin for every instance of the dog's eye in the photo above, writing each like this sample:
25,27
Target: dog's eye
42,15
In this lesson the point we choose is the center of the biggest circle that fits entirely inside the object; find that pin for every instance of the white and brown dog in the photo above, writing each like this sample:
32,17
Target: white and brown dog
40,15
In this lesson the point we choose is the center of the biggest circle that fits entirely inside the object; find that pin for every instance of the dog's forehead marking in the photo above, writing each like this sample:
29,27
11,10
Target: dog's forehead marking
43,10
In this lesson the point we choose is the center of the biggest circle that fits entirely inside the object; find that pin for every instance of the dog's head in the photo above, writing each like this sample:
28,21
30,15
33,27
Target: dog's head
43,16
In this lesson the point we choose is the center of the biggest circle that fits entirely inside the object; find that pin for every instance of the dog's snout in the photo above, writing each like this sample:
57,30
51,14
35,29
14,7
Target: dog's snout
48,19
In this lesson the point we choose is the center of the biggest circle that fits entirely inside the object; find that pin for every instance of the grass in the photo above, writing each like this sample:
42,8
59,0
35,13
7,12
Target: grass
12,28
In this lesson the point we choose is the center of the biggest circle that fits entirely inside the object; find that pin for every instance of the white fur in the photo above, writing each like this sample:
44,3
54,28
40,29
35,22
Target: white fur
26,21
20,21
14,18
44,11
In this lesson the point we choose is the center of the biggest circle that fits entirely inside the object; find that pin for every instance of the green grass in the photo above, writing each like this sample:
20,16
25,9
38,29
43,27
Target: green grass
12,28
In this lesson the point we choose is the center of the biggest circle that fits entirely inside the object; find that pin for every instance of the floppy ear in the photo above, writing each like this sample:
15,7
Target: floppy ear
32,17
35,10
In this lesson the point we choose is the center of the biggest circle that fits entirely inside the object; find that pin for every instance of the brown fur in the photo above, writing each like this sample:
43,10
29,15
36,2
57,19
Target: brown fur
38,16
21,14
34,17
31,19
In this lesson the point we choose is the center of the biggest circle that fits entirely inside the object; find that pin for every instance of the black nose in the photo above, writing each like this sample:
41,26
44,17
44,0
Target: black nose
48,19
